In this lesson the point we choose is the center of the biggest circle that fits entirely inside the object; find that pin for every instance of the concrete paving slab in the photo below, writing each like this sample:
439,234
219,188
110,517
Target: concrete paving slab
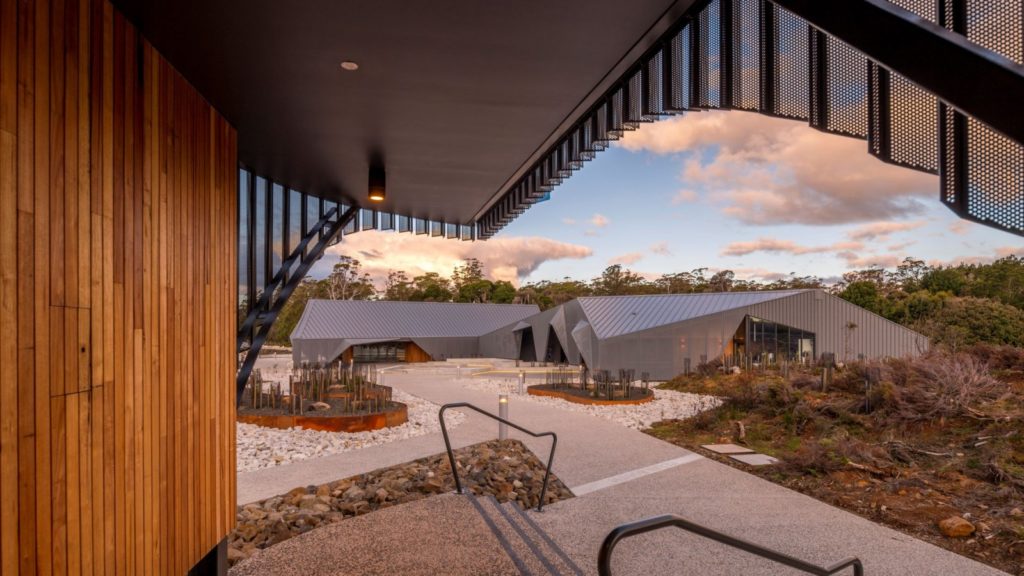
442,534
754,459
737,503
727,448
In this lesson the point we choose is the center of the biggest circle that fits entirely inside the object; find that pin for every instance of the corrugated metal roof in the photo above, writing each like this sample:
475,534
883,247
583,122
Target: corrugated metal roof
612,316
325,319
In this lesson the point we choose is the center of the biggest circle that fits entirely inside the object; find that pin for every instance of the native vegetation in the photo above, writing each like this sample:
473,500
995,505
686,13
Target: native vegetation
933,446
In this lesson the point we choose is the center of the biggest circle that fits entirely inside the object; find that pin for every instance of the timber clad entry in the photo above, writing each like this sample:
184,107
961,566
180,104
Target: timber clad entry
118,187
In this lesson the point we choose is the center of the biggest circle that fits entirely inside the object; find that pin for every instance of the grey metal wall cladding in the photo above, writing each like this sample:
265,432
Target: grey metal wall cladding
586,341
662,350
540,324
444,330
444,348
616,315
843,328
385,319
560,325
318,351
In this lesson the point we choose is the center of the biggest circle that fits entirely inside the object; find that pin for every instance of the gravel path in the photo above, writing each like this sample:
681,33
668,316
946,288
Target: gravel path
260,447
667,404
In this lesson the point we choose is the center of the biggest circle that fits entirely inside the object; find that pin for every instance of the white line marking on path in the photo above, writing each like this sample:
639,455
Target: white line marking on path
634,474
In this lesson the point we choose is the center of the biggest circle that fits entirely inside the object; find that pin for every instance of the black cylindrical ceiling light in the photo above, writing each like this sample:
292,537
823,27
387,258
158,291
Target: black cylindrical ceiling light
378,185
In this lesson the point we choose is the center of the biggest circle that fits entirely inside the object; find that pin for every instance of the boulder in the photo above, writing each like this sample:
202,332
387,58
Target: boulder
956,527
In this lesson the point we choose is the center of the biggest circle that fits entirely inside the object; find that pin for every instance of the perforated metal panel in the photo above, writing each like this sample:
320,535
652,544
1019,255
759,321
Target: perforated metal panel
792,85
913,126
847,90
746,90
709,47
928,9
993,178
677,85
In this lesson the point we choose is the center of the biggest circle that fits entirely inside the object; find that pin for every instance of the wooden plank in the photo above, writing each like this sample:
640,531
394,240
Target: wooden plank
58,483
41,242
26,292
9,552
117,262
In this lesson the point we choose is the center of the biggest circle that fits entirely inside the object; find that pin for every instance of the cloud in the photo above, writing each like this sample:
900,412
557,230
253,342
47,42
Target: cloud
765,170
599,220
960,227
900,246
855,260
568,221
1004,251
661,249
626,259
505,258
777,246
882,230
685,196
757,274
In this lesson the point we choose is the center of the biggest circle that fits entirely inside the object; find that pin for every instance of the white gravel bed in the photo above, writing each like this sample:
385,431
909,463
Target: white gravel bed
259,447
667,404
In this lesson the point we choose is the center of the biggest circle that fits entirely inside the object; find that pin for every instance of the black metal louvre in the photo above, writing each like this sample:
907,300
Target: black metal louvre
756,55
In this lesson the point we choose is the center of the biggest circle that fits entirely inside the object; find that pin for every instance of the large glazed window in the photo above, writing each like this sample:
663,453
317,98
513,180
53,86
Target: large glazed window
769,342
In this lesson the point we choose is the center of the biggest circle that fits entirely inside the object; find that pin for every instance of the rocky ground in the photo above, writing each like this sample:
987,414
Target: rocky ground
667,404
932,448
505,469
260,447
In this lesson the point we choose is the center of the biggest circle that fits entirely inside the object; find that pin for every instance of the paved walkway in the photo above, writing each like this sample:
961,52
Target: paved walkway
621,475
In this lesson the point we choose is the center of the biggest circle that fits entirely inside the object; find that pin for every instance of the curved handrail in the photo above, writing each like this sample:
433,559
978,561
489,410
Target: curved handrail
451,455
604,558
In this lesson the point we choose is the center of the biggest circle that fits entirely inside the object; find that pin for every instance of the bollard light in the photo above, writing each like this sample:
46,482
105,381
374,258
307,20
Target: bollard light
503,414
522,380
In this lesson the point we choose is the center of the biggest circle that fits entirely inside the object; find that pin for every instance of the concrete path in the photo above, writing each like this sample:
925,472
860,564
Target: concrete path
621,475
590,448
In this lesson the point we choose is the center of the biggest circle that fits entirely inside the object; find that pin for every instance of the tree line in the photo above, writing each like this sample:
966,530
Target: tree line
954,305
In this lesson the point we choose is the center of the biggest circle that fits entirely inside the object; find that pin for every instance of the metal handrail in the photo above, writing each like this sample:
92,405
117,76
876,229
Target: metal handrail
451,455
604,558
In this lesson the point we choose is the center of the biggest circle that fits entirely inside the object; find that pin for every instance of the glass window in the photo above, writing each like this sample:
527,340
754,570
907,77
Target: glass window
295,231
261,235
243,245
277,232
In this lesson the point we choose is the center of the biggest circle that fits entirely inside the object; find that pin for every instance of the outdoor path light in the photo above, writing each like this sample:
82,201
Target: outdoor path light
503,414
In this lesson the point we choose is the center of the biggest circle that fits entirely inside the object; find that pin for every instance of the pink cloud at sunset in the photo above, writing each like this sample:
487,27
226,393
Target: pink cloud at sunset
504,258
763,170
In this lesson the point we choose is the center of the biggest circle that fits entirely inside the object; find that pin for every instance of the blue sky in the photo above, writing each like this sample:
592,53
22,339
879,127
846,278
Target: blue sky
761,196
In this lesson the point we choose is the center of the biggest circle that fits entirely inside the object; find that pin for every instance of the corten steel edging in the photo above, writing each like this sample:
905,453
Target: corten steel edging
938,60
451,455
619,533
342,423
535,391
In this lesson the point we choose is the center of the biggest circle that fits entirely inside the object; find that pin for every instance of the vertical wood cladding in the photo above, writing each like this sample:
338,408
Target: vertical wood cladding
117,296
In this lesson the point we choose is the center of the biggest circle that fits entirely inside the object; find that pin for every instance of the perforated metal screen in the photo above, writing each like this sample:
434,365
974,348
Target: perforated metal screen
774,62
792,85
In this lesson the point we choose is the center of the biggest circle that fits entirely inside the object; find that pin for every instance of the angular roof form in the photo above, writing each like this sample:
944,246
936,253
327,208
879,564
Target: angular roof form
612,316
372,320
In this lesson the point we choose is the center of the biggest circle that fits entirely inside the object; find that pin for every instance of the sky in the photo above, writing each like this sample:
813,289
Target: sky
762,196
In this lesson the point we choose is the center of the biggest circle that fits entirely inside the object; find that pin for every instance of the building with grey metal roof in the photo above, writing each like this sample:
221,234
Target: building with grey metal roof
383,330
666,335
663,335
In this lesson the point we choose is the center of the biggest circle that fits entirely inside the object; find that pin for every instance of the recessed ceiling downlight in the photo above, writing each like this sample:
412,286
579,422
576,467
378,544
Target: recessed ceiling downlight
349,65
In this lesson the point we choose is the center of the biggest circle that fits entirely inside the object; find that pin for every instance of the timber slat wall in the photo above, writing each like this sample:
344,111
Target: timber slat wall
118,188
